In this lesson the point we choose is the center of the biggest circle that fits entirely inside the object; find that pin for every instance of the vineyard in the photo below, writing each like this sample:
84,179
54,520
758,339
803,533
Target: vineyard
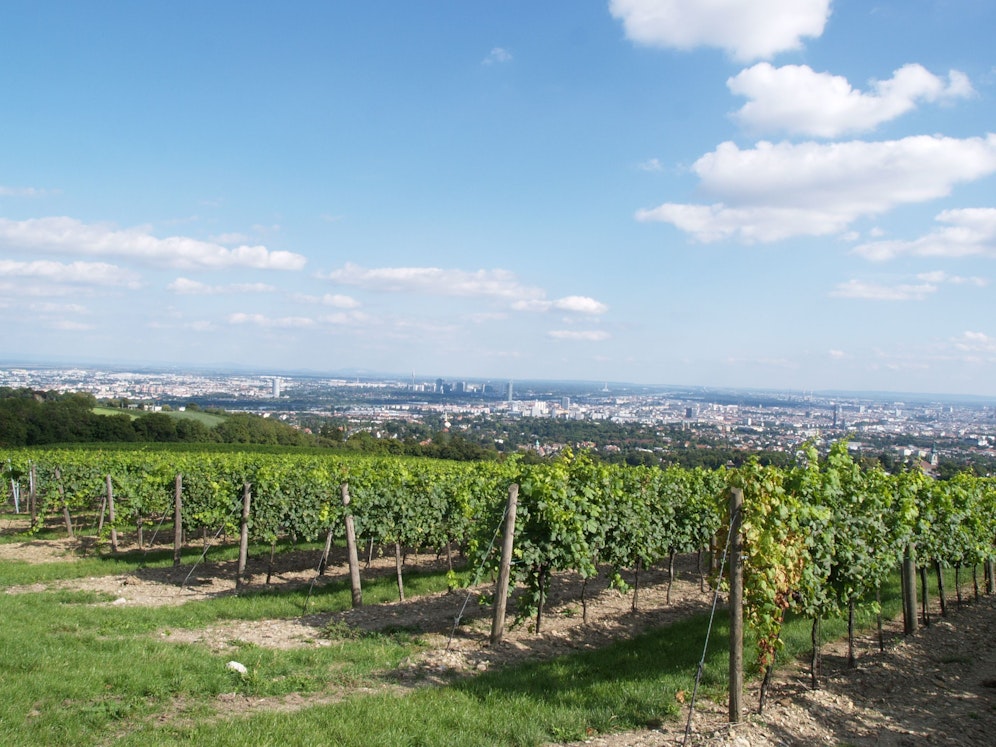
820,540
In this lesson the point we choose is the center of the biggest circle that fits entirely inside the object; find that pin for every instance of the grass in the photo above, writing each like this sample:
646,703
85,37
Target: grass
208,419
80,673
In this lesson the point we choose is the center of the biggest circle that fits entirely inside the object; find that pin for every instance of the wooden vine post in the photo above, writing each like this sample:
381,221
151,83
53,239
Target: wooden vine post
32,496
909,590
505,570
177,520
244,535
110,515
354,561
736,606
65,506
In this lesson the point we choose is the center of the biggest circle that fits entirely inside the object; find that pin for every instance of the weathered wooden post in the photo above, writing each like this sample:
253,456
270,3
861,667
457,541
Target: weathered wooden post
354,561
505,569
736,606
177,520
110,515
244,535
909,590
65,506
32,496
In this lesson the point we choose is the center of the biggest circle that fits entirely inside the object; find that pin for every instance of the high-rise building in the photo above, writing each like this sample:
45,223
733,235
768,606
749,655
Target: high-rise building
276,387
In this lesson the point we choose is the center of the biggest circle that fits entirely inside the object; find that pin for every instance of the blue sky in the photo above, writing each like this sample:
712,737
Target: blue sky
750,193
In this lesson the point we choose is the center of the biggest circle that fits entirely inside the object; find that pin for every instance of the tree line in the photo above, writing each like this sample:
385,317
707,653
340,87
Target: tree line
29,418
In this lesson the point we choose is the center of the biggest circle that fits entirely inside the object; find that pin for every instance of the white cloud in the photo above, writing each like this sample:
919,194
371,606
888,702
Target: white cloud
186,286
580,305
57,308
436,281
84,273
230,238
939,276
837,354
967,232
346,318
572,304
69,236
797,100
497,56
594,335
23,191
70,325
746,29
268,322
879,292
501,285
652,164
775,191
975,342
339,301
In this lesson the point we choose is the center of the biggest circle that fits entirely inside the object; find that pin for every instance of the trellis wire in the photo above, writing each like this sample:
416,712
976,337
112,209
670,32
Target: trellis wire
705,648
477,577
208,547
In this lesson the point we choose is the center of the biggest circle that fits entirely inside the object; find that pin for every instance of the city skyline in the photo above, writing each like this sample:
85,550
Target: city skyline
778,195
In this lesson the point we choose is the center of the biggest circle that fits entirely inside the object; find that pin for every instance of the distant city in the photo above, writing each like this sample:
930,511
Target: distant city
909,427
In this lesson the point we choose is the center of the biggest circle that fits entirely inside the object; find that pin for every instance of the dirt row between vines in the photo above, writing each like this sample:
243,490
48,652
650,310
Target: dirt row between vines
938,687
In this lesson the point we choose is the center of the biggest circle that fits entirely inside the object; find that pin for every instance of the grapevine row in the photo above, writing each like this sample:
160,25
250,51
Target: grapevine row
820,538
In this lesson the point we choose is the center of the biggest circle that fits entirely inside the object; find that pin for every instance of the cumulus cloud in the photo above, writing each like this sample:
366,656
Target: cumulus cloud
186,286
592,335
436,281
69,236
880,292
83,273
798,100
928,283
6,191
500,285
497,56
339,301
571,304
758,29
261,320
345,318
58,308
939,276
975,342
775,191
653,165
70,325
965,232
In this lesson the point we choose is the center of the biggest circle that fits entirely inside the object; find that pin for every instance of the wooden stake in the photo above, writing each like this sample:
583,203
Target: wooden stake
397,569
736,607
65,506
177,520
354,561
323,563
110,515
244,535
909,591
505,569
32,496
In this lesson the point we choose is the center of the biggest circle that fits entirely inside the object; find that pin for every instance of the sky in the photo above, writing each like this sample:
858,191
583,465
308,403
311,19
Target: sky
777,194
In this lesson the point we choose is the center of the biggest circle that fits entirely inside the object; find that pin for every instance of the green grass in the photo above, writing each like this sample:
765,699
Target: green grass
76,672
209,419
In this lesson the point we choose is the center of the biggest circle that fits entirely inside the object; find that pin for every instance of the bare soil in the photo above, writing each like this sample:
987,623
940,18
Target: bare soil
936,687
